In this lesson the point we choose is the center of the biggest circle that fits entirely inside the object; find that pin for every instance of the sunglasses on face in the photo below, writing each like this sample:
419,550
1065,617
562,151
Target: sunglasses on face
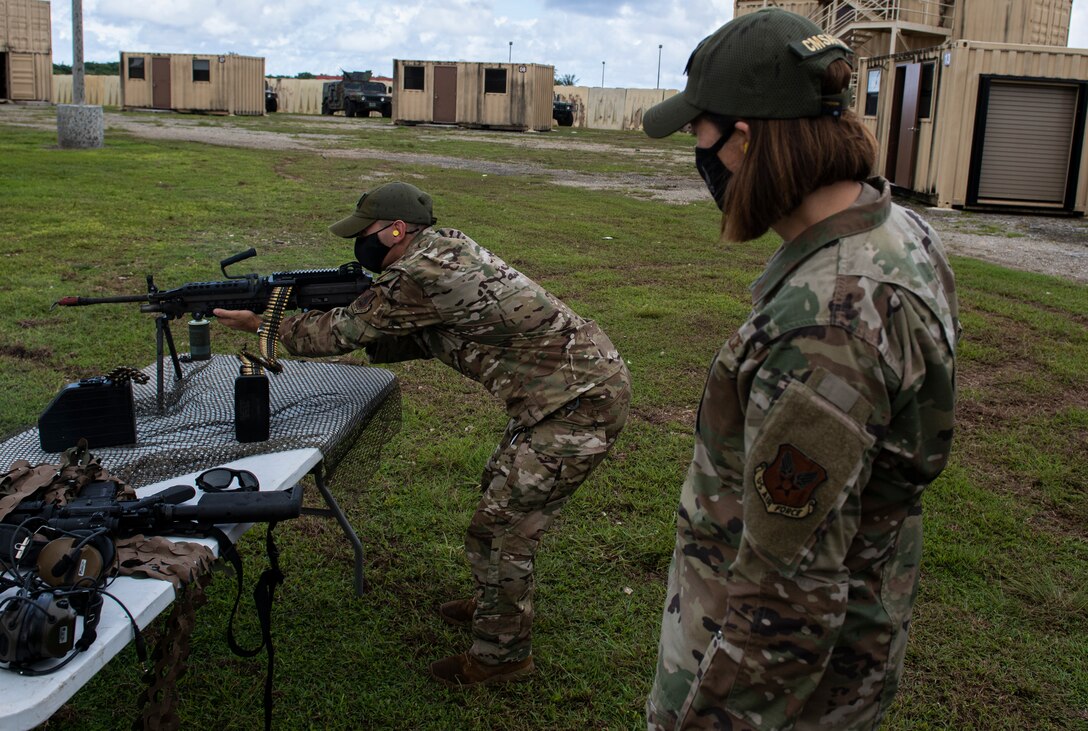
221,478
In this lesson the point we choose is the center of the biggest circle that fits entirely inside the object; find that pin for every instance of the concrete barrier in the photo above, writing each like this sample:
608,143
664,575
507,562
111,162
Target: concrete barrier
80,126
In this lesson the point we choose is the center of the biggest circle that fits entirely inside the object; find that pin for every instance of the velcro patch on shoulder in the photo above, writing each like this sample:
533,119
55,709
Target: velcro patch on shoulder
800,469
363,302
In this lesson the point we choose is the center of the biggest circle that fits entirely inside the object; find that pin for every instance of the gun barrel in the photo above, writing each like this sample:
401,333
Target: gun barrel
246,507
117,299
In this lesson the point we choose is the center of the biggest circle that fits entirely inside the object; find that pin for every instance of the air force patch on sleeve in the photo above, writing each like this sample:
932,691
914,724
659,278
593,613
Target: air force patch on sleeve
364,302
802,466
787,483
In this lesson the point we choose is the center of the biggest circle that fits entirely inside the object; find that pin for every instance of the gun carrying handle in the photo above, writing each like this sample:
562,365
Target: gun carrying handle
250,252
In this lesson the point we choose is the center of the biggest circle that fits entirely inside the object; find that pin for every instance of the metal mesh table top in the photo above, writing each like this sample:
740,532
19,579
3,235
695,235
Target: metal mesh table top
321,405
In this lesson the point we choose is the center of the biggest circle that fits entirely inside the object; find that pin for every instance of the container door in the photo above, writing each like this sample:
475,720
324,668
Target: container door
160,82
1027,142
21,74
908,78
445,94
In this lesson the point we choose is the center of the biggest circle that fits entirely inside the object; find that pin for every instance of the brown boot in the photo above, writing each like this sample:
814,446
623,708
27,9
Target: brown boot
458,612
464,669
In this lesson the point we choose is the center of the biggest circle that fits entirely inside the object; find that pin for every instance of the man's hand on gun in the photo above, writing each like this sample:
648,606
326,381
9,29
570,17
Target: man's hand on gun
243,320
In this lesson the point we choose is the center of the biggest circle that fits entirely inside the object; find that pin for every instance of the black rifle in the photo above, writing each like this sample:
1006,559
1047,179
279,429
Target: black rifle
311,289
159,514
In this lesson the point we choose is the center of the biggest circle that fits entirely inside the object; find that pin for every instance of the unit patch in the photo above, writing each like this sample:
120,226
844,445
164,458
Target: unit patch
364,301
787,483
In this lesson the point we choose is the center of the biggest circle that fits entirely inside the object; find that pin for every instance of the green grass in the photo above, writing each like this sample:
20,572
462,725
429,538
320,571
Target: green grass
999,629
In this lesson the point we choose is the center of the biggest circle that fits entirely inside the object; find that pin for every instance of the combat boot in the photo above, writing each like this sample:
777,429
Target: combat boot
458,612
464,669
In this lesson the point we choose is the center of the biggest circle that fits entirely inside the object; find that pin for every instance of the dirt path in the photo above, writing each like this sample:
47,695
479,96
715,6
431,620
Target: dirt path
1048,245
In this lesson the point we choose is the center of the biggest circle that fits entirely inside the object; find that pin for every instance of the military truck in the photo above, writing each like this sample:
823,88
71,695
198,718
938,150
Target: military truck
562,112
356,96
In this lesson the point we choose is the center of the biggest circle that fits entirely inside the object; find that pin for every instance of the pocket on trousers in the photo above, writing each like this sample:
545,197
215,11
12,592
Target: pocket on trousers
560,438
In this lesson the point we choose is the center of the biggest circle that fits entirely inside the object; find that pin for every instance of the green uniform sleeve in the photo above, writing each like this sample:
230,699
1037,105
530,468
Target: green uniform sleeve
394,307
816,403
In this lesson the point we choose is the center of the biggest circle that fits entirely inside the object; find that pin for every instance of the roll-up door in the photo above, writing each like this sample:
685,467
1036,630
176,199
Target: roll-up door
1027,144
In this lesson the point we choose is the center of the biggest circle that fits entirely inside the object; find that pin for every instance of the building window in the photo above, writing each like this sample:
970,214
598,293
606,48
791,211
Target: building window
413,77
925,91
494,81
136,67
872,93
202,69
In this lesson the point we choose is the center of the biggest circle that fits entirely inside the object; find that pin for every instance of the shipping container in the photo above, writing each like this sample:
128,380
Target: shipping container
223,84
884,27
26,51
981,125
514,96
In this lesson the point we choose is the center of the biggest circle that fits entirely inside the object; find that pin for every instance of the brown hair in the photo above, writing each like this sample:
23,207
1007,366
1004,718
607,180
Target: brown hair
787,159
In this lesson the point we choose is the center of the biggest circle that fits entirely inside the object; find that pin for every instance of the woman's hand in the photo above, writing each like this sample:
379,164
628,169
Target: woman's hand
243,320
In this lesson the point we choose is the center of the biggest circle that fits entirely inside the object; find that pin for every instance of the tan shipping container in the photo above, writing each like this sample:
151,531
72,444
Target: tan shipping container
224,84
982,125
26,53
514,96
24,26
1041,22
878,27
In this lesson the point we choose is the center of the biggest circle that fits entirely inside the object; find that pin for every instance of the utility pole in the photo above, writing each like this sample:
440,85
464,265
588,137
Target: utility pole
78,95
79,125
602,74
658,85
510,58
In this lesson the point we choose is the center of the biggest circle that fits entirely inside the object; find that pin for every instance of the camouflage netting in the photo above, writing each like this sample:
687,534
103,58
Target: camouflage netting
337,408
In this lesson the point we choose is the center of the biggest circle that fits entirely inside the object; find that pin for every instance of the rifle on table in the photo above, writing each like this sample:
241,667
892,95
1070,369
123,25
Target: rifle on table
308,289
96,509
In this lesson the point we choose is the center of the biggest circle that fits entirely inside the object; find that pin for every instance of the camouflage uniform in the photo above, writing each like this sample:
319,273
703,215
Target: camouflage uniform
565,387
799,528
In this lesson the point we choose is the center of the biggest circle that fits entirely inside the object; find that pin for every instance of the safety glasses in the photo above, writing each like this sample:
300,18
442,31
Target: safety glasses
220,479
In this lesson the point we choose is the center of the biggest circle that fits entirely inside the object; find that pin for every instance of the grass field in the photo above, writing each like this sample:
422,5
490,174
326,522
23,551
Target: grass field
999,632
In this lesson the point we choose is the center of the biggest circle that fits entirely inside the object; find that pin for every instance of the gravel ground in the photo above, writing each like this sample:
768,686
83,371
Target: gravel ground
1044,244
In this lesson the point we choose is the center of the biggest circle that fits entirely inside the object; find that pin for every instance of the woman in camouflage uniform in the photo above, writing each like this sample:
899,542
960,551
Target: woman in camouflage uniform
441,295
823,418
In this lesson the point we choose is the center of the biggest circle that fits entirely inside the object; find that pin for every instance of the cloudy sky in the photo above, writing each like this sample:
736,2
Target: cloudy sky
581,37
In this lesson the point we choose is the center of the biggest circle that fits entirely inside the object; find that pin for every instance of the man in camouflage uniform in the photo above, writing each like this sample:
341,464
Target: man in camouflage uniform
566,389
822,420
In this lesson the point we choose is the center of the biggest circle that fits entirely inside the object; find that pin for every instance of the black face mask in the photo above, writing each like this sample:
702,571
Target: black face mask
370,251
715,174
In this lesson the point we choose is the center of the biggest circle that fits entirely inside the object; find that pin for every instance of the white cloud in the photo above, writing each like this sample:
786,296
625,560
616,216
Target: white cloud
324,36
1078,25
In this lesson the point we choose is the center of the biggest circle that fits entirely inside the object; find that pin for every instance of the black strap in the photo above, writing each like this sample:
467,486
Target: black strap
264,595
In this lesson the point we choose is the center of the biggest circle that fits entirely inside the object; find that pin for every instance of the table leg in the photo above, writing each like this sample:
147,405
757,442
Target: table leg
335,511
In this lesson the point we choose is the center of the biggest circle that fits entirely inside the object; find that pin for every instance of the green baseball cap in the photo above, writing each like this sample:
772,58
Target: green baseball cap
764,65
387,202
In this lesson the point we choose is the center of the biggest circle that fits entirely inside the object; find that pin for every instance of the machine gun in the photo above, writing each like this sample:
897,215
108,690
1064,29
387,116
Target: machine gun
312,289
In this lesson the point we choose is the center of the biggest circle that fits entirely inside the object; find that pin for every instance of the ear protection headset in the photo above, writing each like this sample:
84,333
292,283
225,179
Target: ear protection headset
81,559
38,625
